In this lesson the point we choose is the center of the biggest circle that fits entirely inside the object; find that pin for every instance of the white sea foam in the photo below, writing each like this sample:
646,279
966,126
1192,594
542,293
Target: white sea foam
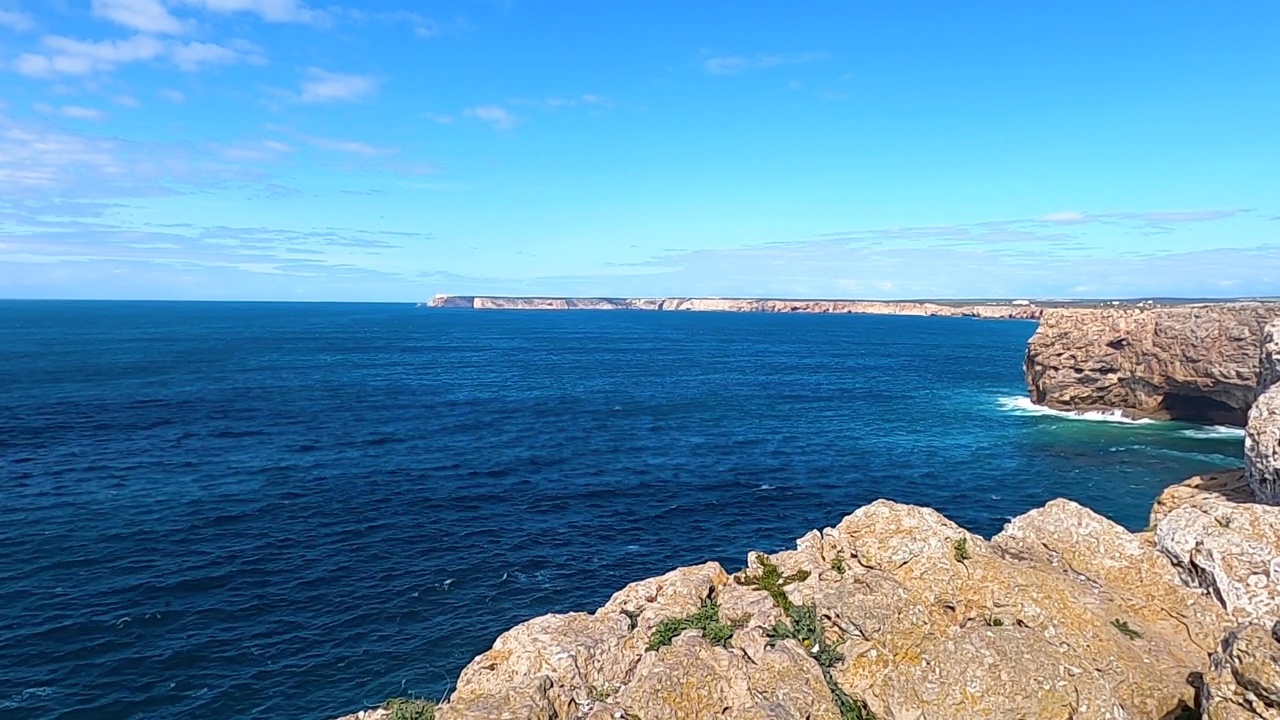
1215,432
1023,406
767,487
1210,458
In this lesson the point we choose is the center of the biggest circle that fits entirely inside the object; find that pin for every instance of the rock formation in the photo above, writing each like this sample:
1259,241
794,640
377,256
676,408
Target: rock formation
1262,436
996,311
895,613
1195,362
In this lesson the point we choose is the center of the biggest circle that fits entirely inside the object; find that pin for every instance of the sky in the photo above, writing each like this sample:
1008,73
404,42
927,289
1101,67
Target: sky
388,151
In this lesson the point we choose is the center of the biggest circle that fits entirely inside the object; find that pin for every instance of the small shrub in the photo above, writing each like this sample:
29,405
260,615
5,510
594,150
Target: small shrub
837,564
411,709
706,619
771,580
1125,630
961,548
995,622
603,692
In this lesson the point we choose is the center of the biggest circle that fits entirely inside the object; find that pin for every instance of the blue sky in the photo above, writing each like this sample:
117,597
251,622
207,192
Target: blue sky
280,149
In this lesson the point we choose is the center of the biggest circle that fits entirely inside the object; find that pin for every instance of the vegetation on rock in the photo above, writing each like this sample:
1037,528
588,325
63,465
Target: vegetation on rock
706,619
411,709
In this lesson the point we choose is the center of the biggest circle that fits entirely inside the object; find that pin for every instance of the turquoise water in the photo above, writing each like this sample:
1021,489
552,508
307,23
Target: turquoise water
240,510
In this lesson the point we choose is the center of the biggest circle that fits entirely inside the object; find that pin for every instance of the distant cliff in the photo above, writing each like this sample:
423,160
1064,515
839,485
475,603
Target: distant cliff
1195,362
1018,310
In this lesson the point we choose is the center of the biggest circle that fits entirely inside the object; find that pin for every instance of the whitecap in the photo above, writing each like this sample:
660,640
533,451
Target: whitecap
766,487
1024,406
1214,432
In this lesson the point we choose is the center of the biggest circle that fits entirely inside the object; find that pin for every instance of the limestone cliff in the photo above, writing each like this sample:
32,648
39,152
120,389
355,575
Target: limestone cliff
1000,311
1195,362
1262,436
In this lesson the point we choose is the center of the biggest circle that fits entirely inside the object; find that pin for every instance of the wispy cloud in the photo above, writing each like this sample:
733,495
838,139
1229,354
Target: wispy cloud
1154,220
556,103
736,64
147,16
66,56
322,86
496,115
272,11
81,113
441,118
173,96
350,147
16,20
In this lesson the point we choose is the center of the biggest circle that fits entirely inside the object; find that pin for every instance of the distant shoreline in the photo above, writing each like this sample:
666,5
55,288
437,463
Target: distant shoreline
1019,309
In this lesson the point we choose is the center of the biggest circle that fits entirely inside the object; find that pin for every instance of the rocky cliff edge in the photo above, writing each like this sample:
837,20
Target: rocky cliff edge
1199,362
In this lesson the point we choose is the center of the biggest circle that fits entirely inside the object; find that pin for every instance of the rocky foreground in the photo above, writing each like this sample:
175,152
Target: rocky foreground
899,614
994,311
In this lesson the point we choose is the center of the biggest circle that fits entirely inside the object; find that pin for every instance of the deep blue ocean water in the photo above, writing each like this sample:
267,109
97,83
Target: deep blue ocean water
245,510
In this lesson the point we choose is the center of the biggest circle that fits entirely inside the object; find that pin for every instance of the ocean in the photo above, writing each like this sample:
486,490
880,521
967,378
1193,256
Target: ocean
299,510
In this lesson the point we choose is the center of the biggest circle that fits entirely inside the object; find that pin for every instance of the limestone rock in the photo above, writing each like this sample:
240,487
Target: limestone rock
897,611
1262,435
1196,362
995,310
1243,682
1228,548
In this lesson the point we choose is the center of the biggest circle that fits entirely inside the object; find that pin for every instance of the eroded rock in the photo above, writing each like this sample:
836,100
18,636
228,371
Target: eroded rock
1196,362
1230,549
1262,435
896,611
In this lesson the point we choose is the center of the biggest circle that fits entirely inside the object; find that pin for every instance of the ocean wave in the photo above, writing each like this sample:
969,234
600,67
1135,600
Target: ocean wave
1208,458
1024,406
1215,432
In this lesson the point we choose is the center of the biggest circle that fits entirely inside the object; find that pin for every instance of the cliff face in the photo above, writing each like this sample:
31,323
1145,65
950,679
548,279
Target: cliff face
1262,436
1005,311
1197,362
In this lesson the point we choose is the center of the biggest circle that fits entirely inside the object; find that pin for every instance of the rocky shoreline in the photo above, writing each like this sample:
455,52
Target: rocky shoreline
897,613
1015,310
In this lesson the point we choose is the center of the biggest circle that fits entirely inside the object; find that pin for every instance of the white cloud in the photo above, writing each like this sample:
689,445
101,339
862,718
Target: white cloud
1065,218
148,16
443,119
125,101
16,20
735,64
81,113
273,11
351,147
66,56
258,151
80,57
496,115
173,96
322,86
194,55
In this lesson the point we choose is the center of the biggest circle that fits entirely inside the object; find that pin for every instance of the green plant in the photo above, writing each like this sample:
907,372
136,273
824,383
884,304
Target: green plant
771,580
603,692
961,548
837,564
1125,630
706,619
411,709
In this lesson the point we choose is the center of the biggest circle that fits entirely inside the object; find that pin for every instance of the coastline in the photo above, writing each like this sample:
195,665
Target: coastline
899,612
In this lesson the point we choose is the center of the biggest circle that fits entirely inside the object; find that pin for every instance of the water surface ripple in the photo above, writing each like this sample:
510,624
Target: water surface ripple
292,511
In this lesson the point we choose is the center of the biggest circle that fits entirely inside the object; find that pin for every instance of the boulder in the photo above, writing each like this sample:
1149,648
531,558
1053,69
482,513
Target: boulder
1229,548
1243,682
1196,362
